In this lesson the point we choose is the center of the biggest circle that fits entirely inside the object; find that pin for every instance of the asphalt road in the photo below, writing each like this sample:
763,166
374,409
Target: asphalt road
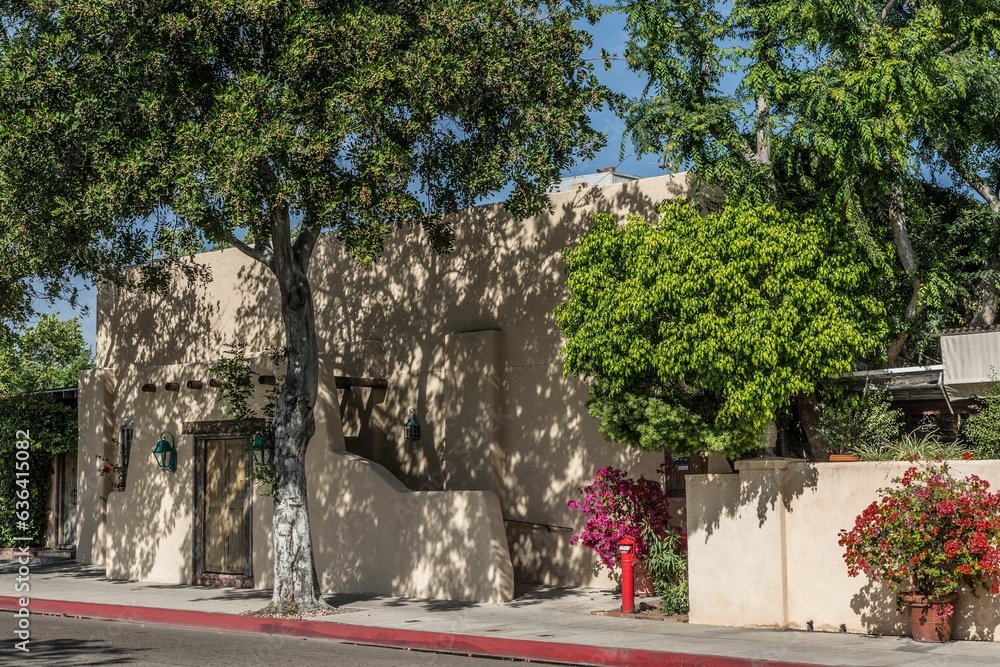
75,642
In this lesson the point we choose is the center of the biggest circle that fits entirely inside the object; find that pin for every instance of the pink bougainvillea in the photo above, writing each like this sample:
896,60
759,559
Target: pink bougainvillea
934,534
615,506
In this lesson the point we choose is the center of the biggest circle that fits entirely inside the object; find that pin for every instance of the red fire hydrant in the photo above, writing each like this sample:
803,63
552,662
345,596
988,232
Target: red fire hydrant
626,549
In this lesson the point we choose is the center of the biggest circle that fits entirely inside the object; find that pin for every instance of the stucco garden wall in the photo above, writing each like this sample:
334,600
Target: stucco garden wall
467,340
773,529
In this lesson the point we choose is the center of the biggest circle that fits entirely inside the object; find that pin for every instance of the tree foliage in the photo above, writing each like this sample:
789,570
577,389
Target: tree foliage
852,108
742,309
261,124
876,118
48,355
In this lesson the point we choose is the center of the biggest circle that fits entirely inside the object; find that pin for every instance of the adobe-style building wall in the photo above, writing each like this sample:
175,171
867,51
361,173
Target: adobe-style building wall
467,340
773,529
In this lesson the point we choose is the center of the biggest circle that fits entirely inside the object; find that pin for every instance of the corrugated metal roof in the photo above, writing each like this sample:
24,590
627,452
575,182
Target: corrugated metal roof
965,330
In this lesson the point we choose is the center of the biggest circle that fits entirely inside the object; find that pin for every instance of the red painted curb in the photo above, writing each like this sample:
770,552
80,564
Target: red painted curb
522,649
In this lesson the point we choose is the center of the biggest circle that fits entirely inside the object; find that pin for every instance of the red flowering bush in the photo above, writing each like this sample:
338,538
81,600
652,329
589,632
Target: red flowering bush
933,534
615,506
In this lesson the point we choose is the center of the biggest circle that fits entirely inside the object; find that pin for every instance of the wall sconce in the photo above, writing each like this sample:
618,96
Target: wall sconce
263,451
165,453
411,429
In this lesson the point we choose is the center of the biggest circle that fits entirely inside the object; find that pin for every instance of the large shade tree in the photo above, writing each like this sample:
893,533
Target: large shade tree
852,107
263,123
879,118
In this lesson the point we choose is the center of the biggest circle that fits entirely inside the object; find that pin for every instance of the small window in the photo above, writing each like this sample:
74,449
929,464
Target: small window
125,442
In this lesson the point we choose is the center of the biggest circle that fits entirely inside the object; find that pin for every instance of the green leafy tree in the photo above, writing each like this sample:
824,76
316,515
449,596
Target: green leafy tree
845,107
867,114
48,355
262,124
750,306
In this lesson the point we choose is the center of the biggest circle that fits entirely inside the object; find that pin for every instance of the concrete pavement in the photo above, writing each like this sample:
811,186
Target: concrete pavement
542,623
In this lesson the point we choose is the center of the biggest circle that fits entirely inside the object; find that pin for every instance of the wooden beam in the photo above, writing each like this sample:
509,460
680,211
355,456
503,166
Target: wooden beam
345,382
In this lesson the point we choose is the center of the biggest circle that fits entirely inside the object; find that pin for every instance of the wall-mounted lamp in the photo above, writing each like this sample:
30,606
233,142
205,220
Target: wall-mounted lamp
165,453
411,429
263,451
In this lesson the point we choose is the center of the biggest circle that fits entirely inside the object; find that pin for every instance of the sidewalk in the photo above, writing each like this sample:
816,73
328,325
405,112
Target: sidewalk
541,624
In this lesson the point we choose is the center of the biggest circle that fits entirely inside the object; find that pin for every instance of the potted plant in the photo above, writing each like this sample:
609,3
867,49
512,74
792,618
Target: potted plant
851,422
617,505
928,538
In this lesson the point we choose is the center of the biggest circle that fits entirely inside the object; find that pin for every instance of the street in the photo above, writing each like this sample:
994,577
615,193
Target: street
75,642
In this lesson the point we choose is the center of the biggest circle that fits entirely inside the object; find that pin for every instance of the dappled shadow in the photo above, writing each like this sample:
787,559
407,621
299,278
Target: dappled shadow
83,653
875,605
757,490
467,340
470,343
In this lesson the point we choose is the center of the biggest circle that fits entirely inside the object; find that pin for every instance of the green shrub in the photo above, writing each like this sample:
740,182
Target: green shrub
666,564
53,430
853,423
917,444
982,430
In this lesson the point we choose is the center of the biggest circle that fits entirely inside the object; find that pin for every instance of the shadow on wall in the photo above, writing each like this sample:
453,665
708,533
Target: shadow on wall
135,331
875,605
469,342
759,487
472,346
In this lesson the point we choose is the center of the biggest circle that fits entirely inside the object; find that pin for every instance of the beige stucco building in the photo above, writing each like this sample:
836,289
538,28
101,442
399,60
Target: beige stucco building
467,340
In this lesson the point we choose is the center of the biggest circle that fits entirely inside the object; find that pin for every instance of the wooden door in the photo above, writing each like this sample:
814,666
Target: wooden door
226,523
67,500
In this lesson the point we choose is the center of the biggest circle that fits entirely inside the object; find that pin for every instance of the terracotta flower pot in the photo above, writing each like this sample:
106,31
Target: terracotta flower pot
931,619
844,458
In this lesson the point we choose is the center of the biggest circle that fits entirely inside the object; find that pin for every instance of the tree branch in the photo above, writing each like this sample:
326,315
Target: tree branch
302,246
956,45
262,254
979,185
885,11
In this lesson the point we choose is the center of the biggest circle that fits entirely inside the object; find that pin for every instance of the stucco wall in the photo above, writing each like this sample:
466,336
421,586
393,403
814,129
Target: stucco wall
371,534
772,528
467,340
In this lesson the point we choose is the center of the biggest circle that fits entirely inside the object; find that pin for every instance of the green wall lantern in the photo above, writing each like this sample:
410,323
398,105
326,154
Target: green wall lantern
263,451
411,429
165,453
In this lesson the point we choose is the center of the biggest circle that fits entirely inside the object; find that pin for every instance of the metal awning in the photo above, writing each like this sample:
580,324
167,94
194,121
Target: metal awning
971,359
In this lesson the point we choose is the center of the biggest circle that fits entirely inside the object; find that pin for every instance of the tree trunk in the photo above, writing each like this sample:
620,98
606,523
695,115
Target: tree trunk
296,587
986,308
809,416
908,260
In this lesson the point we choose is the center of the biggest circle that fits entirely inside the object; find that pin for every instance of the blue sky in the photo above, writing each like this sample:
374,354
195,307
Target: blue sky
609,35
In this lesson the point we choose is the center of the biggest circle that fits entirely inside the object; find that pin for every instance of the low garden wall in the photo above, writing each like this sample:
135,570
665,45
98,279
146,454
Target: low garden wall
763,549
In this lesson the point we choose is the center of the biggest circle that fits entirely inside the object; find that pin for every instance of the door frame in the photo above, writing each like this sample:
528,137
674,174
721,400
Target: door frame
203,432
